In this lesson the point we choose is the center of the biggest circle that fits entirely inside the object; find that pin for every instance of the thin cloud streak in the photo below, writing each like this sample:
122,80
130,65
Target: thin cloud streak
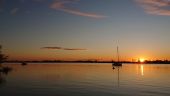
156,7
51,48
61,5
73,49
61,48
83,13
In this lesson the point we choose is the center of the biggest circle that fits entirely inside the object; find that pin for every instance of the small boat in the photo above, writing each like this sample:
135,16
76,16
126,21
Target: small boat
118,63
23,63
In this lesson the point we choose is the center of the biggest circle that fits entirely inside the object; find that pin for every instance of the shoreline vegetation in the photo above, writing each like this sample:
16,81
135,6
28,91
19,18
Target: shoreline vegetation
91,61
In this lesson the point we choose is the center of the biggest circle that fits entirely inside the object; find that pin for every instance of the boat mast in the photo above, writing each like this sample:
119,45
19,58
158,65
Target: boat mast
117,54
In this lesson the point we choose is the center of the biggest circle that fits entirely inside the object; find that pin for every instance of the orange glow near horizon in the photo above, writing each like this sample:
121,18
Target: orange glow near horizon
71,57
76,55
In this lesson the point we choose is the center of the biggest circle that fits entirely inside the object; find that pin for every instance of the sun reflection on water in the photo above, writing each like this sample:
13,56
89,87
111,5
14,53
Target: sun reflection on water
142,70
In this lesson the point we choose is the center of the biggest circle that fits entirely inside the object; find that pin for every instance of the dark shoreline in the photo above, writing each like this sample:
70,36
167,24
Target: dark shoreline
146,62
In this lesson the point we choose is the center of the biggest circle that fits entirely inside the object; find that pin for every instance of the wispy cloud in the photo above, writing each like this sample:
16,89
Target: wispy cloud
73,49
14,11
61,48
156,7
51,48
61,5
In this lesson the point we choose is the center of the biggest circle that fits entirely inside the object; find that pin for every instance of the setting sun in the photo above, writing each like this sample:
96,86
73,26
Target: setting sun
141,60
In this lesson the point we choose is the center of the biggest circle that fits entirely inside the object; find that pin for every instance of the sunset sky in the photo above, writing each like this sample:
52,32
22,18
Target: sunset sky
85,29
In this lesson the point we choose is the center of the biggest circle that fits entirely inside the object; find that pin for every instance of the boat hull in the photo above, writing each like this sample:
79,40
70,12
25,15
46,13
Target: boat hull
117,64
24,63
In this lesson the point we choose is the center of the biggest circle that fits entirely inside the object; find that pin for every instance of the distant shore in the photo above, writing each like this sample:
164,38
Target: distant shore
60,61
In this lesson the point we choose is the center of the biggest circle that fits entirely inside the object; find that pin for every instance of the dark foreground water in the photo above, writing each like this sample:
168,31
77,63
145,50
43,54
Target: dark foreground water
86,80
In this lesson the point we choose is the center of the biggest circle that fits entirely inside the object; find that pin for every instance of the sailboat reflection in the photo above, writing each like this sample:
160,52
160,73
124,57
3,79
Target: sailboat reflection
118,77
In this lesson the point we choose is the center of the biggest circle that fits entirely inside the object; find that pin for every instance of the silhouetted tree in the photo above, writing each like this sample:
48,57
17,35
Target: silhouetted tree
2,56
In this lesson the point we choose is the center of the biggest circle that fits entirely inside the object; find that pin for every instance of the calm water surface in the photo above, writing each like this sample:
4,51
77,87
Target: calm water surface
86,80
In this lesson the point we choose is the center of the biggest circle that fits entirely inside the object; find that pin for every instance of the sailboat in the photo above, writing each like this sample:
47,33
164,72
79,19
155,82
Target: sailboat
23,63
118,63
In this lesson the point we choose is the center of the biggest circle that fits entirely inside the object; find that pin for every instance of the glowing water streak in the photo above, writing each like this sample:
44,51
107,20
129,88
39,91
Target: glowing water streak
142,70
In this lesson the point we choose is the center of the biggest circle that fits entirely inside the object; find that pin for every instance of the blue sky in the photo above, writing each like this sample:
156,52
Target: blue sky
139,27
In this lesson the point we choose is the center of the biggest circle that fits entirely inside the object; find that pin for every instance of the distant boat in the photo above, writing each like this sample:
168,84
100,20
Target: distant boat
118,63
23,63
